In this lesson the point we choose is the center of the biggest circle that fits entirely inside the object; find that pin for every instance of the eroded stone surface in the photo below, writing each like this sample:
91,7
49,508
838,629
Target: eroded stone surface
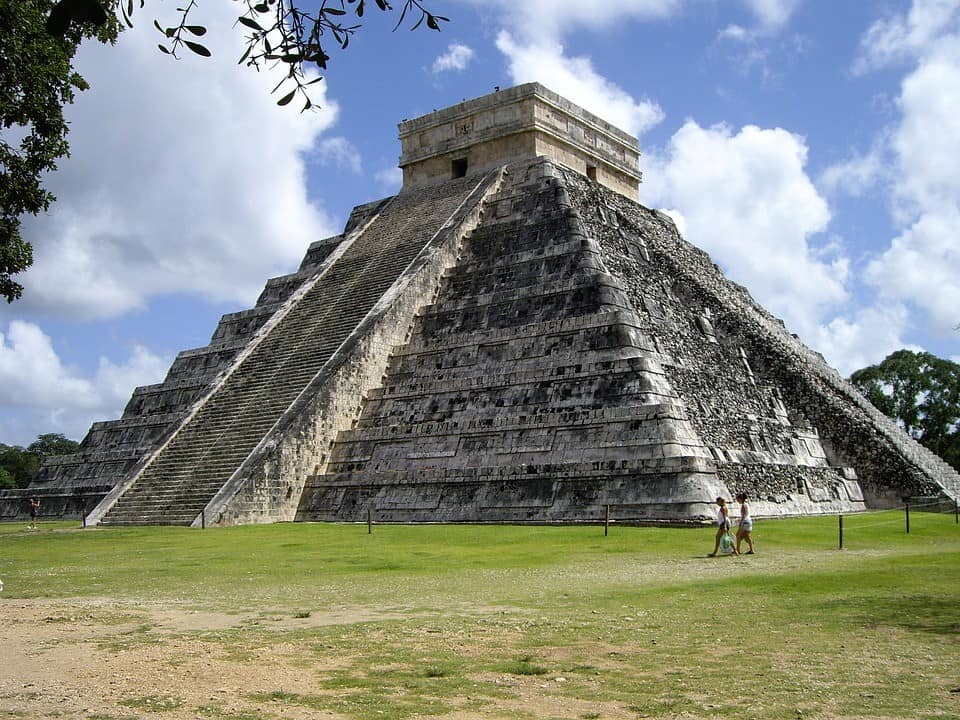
524,345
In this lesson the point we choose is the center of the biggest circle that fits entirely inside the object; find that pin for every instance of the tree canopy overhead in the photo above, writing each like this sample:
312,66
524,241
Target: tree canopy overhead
38,41
921,392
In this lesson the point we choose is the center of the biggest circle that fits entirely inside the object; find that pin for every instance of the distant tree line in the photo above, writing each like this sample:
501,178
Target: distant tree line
19,465
921,392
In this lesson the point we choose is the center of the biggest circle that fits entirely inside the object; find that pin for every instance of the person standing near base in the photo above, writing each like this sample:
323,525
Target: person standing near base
723,525
34,509
745,531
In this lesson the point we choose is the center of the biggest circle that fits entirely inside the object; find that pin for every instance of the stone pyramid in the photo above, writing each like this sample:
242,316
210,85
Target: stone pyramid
511,338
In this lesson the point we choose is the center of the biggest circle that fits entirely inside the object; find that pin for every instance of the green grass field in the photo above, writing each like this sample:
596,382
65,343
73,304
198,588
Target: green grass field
504,621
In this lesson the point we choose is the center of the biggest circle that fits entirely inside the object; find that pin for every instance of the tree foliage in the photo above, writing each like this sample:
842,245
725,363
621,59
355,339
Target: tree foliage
921,392
38,41
19,466
36,81
292,33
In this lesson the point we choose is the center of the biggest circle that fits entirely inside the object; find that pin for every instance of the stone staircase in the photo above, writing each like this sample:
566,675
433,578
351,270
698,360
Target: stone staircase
209,447
525,394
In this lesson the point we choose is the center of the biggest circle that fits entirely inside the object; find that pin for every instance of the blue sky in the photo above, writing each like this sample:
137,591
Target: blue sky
811,147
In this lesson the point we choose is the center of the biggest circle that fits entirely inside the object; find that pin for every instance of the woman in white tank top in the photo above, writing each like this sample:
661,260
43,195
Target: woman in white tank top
745,531
723,525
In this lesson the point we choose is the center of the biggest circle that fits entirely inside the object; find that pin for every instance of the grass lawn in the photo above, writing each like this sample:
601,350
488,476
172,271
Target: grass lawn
503,622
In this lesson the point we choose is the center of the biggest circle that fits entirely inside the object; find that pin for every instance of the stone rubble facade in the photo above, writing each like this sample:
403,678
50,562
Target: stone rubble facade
510,339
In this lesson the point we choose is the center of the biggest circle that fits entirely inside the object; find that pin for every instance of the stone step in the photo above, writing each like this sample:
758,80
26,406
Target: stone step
269,378
599,469
552,418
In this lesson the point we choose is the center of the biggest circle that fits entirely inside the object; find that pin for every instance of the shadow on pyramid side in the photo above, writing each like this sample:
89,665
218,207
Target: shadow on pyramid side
519,344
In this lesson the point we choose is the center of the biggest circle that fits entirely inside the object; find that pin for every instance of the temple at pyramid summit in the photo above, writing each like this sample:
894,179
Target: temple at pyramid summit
511,338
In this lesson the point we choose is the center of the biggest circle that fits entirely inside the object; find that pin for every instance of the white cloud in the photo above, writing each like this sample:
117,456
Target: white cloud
901,37
856,175
340,152
922,267
772,14
457,57
537,20
735,32
852,343
576,79
390,179
184,177
927,140
746,199
43,395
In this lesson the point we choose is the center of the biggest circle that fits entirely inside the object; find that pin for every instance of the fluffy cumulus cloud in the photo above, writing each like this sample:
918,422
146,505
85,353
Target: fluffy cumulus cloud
903,36
745,198
457,57
530,37
577,80
184,177
863,338
856,175
921,266
40,394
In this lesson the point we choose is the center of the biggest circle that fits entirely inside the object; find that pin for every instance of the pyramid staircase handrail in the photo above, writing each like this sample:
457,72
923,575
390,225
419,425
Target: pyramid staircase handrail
110,499
464,217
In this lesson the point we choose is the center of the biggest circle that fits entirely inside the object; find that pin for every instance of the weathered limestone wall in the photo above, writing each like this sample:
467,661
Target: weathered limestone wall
522,122
481,159
70,486
607,175
783,425
525,394
268,486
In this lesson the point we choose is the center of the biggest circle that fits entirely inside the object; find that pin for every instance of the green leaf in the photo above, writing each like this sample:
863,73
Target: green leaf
333,11
163,48
197,48
287,98
250,23
197,30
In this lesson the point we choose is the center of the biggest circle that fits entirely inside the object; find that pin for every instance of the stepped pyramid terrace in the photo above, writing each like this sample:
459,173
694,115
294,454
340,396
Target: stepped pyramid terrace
510,338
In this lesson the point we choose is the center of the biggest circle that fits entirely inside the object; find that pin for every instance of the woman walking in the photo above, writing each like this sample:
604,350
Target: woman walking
745,531
723,525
